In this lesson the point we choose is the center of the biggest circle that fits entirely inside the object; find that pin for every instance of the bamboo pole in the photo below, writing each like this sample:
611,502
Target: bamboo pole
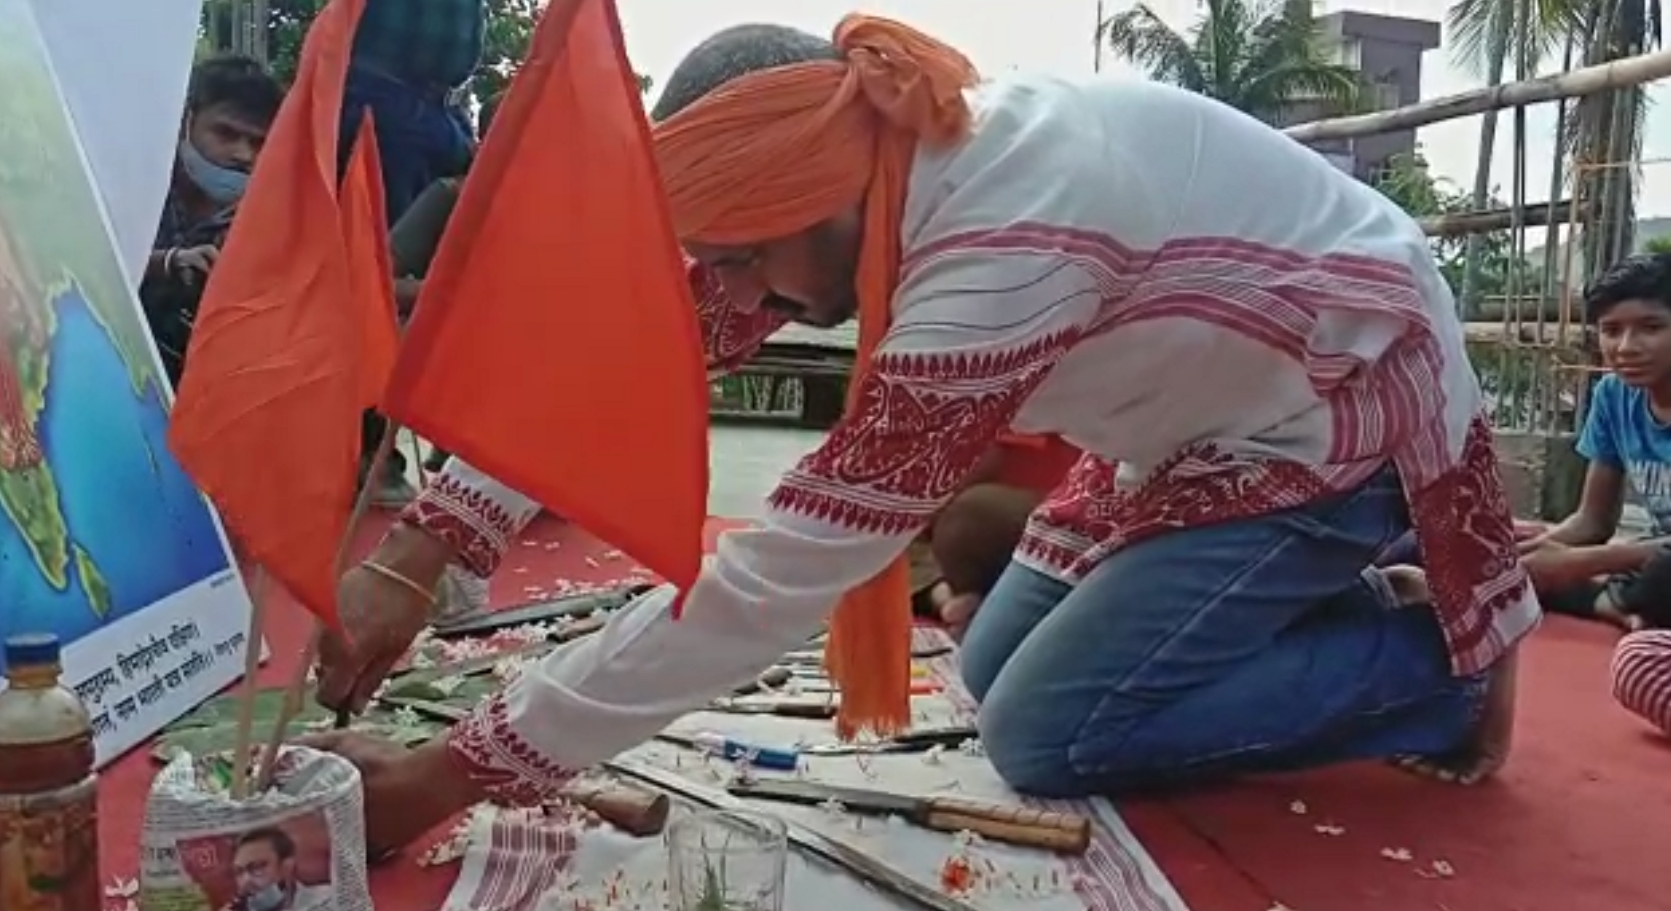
1535,215
1617,74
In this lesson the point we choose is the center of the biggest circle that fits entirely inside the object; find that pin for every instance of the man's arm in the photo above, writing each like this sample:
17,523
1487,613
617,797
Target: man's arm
1603,498
1599,507
475,516
932,402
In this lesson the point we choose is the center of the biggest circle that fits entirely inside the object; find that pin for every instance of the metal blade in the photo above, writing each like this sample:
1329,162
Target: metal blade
910,742
841,856
817,711
855,800
484,622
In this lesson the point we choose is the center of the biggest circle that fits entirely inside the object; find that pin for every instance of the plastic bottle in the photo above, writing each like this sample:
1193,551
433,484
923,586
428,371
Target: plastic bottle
49,833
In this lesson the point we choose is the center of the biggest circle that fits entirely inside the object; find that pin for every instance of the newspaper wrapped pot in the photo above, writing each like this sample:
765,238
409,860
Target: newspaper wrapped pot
298,847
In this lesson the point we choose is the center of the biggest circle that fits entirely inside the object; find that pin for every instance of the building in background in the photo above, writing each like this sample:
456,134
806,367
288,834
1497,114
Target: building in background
1388,51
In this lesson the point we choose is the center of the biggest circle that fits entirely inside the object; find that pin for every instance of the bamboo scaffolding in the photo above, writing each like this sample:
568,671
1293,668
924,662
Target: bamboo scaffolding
1590,80
1484,221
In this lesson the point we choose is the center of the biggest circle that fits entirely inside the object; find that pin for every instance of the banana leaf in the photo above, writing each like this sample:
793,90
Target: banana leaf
223,736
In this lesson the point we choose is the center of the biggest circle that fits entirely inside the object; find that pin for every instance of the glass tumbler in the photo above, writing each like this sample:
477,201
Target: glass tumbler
722,860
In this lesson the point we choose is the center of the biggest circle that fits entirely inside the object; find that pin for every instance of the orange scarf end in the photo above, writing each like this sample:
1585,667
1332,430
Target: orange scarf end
868,655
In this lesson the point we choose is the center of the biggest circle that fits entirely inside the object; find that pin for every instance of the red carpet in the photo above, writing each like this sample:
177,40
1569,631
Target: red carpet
1566,825
1569,824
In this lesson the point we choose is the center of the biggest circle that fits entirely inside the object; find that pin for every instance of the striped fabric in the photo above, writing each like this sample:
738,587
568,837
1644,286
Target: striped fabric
1642,676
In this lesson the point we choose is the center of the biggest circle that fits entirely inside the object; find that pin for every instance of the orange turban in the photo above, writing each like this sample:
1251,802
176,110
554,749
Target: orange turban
772,153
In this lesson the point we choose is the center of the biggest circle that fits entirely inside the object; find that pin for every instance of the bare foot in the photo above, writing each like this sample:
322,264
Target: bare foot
1487,748
1609,612
1408,584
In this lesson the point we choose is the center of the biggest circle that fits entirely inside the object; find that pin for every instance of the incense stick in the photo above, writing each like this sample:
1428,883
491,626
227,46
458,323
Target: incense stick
246,696
296,691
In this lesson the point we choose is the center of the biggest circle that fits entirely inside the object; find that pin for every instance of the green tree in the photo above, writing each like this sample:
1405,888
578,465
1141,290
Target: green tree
1487,35
1408,181
1661,245
510,28
1259,56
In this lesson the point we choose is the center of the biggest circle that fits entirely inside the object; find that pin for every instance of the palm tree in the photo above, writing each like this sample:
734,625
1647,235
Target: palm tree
1607,128
1485,36
1259,57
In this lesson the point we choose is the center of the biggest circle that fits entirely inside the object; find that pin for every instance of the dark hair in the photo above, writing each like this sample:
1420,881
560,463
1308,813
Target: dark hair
238,83
737,51
283,845
1644,276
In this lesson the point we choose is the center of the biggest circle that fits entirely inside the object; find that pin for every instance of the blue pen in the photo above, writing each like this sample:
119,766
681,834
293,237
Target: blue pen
734,750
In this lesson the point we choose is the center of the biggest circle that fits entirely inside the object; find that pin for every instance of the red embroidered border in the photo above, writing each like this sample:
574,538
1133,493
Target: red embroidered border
495,757
471,522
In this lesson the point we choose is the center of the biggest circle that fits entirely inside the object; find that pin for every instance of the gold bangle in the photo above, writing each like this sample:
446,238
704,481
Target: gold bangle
401,579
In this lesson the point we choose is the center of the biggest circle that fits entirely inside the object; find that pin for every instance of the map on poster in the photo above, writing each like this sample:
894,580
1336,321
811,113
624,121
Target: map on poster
104,540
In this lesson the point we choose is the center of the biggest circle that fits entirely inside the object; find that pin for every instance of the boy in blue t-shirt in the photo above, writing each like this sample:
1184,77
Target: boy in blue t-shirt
1575,565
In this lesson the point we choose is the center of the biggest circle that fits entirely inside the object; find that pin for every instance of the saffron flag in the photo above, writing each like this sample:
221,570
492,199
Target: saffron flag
285,353
371,285
555,343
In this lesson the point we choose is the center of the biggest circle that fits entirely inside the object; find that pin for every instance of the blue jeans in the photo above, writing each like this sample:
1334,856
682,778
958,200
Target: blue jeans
1247,646
420,138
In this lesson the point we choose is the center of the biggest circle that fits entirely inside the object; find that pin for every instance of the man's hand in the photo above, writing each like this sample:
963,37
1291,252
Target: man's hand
407,791
1538,544
193,263
380,615
1555,566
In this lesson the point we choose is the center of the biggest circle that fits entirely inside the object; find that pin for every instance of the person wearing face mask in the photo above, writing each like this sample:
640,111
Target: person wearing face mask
264,871
230,104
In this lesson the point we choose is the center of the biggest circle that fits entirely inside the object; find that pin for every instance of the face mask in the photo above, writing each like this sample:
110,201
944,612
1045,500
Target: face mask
223,186
267,898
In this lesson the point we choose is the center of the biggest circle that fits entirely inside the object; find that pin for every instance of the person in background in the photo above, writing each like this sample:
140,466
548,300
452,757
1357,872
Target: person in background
1642,676
231,101
971,541
410,58
416,236
1576,565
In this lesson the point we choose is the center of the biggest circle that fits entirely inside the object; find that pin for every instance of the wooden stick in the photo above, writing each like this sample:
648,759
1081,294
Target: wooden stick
418,463
1590,80
296,691
247,692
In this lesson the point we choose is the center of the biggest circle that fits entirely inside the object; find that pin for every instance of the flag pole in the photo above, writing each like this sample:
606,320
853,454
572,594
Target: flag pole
241,741
296,690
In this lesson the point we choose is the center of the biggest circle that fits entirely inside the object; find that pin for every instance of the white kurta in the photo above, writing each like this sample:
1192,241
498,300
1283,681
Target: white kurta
1174,288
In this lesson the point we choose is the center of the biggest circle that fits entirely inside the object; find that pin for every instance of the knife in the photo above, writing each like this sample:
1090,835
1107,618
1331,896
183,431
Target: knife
1067,833
481,664
485,622
910,742
816,711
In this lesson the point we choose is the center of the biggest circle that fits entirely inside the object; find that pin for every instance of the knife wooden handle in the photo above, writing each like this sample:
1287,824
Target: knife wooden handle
635,811
1063,832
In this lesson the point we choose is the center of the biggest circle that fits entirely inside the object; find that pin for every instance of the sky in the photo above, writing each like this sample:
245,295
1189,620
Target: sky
1055,36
